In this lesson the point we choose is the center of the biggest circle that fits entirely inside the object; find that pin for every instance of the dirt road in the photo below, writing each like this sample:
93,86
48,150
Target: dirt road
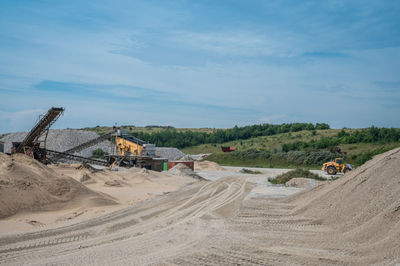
206,223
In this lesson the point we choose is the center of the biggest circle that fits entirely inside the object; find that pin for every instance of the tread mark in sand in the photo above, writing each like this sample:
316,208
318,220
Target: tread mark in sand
45,243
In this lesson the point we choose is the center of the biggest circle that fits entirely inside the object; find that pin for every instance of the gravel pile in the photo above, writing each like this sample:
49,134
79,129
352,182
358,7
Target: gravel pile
182,170
171,154
61,140
186,158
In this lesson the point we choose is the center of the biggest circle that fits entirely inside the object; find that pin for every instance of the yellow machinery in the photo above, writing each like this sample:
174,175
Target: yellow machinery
134,152
337,166
130,146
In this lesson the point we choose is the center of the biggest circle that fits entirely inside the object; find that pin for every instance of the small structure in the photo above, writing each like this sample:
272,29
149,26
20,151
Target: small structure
1,146
228,149
189,164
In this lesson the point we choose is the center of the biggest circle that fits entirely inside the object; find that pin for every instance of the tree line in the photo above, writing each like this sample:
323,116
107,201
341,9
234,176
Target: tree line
170,137
368,135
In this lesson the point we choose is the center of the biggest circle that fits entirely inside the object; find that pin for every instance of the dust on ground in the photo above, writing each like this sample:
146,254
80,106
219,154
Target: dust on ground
352,220
35,196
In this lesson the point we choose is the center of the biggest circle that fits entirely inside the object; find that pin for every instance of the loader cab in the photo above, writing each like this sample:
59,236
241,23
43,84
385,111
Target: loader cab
339,161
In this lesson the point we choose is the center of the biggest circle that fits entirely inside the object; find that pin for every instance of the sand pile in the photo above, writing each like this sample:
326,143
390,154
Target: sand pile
182,170
26,184
207,166
363,204
301,182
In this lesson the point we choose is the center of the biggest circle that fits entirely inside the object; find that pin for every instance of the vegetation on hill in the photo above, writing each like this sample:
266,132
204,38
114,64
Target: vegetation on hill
266,145
171,137
303,149
369,135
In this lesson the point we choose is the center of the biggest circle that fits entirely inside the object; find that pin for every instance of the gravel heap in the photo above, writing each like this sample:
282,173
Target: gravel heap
186,158
61,140
171,154
182,170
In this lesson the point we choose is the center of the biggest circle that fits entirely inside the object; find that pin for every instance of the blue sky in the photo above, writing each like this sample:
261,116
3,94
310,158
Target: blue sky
200,63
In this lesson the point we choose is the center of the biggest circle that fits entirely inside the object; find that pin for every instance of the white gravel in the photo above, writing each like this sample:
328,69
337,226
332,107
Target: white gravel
171,154
61,140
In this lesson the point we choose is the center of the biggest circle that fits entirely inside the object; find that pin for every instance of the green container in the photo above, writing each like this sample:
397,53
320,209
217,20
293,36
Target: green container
165,166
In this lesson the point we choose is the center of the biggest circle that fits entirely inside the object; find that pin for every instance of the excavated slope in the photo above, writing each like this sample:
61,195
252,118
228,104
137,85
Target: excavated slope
364,204
26,184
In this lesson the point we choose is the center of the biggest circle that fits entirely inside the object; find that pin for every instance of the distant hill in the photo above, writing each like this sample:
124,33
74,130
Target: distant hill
267,151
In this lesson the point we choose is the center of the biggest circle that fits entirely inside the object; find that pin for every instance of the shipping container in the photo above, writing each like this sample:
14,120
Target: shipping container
228,149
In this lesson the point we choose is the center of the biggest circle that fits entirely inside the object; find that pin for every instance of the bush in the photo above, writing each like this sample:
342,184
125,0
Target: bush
251,154
98,153
248,171
170,137
283,178
307,157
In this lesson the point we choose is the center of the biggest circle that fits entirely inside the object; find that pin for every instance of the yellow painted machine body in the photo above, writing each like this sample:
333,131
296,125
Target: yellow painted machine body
125,147
336,166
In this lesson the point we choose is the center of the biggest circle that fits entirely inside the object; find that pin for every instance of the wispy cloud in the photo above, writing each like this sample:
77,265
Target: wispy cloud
235,43
273,118
15,121
220,64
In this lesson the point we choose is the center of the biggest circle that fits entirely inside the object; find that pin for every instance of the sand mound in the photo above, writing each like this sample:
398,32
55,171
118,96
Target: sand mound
182,170
301,182
364,204
207,166
26,184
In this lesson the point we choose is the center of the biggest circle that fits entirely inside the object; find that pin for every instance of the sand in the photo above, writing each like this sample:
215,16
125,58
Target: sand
354,220
207,166
28,185
302,182
183,170
35,196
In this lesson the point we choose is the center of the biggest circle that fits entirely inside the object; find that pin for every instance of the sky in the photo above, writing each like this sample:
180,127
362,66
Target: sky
203,63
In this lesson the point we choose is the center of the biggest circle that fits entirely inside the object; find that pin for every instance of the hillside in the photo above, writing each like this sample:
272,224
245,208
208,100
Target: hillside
271,147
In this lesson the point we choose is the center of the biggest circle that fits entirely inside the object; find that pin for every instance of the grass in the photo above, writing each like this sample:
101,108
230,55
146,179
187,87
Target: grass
356,153
271,143
273,162
299,172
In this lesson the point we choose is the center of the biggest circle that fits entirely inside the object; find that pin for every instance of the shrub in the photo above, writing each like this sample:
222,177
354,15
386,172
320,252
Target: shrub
98,153
248,171
283,178
307,157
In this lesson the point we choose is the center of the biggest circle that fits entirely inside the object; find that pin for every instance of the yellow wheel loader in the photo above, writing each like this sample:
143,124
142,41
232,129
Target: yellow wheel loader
336,166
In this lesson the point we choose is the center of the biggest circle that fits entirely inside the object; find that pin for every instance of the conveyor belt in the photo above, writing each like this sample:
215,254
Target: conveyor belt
68,156
88,144
43,125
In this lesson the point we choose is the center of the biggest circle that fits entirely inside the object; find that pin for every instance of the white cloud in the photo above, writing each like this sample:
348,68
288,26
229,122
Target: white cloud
15,121
236,43
273,118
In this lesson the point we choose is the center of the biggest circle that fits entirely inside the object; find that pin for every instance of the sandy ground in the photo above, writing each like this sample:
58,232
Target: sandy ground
236,219
130,187
123,188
